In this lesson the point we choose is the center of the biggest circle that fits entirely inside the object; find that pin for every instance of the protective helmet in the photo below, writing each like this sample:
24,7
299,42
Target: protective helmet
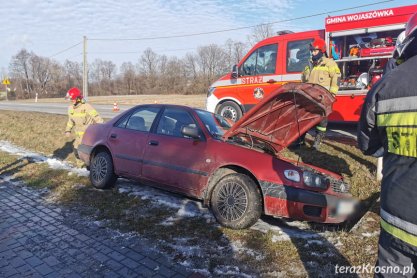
73,93
319,44
399,41
410,35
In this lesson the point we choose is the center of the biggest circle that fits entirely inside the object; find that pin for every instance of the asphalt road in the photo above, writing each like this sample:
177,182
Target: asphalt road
342,130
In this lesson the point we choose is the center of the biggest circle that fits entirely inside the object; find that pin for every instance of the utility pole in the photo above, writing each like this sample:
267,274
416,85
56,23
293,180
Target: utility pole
85,70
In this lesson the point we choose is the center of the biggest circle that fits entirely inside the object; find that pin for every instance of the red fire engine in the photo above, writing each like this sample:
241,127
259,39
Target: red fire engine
360,43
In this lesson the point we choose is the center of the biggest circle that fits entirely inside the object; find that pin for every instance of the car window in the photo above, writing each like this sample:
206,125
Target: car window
215,124
298,54
173,120
141,119
262,61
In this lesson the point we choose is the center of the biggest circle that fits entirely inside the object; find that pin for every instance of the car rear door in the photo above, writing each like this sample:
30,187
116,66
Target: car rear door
173,159
128,139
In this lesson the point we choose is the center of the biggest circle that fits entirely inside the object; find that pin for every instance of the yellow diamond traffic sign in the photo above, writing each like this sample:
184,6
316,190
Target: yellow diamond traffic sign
6,81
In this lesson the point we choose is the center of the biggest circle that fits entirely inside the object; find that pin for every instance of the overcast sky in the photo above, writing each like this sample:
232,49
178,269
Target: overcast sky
50,26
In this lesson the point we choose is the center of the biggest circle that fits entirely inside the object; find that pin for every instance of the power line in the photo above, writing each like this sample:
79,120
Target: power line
235,29
137,52
62,51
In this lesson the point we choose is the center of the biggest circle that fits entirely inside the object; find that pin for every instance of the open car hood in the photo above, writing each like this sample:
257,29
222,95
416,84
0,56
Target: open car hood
285,114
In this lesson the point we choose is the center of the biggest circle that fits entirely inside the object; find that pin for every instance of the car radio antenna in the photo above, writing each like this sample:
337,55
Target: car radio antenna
298,123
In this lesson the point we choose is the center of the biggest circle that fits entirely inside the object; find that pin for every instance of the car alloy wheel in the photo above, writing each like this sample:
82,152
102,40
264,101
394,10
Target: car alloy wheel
101,171
236,201
233,201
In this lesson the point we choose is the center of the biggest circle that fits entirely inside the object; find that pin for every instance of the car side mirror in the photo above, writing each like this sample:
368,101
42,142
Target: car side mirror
235,71
190,132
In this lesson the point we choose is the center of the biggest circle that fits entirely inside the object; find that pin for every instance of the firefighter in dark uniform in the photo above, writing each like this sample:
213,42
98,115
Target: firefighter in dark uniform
388,128
325,72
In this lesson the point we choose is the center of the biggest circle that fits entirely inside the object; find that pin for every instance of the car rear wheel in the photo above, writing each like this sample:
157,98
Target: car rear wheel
236,201
101,171
230,110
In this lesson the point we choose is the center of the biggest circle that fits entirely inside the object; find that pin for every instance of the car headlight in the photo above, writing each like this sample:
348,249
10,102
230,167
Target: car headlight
211,91
314,180
292,175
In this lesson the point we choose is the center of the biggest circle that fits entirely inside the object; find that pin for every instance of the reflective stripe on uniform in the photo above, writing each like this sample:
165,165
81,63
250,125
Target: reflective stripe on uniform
402,140
333,90
321,68
93,113
320,128
397,119
408,227
80,133
397,104
398,233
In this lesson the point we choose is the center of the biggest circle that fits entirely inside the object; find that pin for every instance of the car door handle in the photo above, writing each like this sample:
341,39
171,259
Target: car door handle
113,135
271,81
153,143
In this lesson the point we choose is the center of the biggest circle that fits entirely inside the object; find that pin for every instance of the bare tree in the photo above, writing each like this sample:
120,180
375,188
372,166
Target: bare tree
260,32
191,65
211,60
21,71
127,71
148,62
148,65
234,51
41,73
73,72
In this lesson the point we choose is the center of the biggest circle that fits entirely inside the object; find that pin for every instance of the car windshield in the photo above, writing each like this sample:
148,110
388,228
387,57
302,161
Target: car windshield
216,124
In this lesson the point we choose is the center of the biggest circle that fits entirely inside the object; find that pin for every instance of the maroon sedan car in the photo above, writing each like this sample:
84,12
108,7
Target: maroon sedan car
235,169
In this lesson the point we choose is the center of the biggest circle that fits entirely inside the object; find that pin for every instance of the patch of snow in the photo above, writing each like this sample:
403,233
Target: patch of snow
367,234
185,207
338,244
78,186
237,247
11,179
39,158
315,241
129,235
229,270
189,251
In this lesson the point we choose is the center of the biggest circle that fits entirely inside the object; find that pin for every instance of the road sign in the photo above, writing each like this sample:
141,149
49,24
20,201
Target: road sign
6,81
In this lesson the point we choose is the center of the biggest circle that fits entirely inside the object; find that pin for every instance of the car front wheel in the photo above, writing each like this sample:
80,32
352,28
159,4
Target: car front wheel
236,201
230,110
101,171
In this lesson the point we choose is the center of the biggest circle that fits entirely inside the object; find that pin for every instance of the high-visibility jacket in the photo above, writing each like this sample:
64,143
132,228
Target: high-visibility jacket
80,116
325,73
388,127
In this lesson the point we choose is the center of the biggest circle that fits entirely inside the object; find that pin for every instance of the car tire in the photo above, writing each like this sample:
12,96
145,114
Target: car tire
236,201
230,110
101,171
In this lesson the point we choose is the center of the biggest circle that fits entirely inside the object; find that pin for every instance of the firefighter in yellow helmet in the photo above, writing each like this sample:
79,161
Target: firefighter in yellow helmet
322,71
80,116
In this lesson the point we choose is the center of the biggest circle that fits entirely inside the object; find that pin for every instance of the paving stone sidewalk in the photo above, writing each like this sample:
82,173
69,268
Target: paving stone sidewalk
35,241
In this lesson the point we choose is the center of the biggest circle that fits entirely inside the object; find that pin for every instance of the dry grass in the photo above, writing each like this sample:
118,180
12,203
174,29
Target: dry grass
197,101
297,257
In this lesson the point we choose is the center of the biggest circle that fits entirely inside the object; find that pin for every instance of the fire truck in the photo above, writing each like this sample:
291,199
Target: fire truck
360,44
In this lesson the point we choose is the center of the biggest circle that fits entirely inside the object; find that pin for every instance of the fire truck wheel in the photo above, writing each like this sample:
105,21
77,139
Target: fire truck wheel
230,110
